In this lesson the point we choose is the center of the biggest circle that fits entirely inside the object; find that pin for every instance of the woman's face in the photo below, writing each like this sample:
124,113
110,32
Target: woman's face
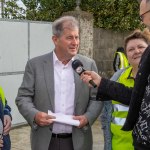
134,51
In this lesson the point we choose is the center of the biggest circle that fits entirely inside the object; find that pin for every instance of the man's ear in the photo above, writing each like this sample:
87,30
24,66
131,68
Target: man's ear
54,38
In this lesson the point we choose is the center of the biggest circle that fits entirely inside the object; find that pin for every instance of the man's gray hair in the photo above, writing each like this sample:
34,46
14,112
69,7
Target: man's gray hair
64,22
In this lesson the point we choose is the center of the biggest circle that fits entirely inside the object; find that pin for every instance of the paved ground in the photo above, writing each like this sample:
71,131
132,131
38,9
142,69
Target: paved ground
20,137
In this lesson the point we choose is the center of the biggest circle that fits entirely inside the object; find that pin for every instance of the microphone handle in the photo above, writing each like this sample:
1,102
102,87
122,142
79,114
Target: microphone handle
92,83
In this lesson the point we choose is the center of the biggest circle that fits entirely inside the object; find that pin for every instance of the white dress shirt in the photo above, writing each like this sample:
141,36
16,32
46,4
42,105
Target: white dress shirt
64,92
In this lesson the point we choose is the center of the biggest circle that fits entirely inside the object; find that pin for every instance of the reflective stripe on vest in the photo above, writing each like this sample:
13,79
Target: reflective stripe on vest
119,107
119,121
121,140
119,114
123,61
120,110
2,96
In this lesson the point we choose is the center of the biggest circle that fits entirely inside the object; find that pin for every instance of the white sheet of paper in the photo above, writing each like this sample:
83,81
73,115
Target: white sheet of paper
65,119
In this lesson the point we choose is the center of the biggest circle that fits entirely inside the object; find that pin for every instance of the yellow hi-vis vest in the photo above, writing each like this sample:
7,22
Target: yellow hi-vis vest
123,60
121,140
2,96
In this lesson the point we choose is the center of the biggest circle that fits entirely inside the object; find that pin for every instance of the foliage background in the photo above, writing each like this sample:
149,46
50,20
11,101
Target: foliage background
118,15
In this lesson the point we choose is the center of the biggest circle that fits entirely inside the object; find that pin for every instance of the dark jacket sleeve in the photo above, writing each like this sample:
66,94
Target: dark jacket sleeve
109,90
138,93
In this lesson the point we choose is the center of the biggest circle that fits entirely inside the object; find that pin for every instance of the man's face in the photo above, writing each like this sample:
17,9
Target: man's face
66,46
145,12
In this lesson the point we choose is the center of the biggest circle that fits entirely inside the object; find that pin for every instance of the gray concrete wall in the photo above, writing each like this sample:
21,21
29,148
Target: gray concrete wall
105,44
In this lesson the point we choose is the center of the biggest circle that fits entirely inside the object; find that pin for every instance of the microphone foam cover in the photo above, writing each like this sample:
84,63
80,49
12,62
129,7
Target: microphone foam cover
76,63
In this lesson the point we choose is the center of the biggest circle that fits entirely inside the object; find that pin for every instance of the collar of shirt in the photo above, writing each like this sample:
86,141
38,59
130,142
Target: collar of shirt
56,60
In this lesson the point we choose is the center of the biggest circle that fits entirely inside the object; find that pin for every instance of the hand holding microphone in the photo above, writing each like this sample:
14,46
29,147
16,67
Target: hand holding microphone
89,77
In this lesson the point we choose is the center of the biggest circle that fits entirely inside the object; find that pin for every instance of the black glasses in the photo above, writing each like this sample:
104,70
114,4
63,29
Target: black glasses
142,16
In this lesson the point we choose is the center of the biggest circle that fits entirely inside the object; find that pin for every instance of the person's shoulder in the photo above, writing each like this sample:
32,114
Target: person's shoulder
84,58
41,57
117,74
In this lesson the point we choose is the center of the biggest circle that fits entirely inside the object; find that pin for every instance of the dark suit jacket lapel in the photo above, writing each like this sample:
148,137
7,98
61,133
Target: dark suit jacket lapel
49,77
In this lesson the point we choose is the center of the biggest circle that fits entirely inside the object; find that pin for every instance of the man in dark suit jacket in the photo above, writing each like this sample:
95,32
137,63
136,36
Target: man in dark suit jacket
50,83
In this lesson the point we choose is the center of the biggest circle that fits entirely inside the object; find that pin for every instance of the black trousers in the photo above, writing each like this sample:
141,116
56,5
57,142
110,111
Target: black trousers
61,144
139,146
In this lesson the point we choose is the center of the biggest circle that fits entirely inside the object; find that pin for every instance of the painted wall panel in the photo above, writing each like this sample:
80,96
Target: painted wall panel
19,41
10,86
13,46
40,39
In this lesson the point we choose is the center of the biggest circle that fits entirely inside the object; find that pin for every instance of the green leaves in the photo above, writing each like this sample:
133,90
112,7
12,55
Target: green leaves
118,15
13,11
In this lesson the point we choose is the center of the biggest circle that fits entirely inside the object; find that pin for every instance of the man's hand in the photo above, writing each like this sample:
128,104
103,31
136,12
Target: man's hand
86,76
43,119
7,124
83,120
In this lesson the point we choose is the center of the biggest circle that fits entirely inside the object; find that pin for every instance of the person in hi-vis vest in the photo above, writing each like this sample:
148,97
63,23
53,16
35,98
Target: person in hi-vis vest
112,121
5,122
120,59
